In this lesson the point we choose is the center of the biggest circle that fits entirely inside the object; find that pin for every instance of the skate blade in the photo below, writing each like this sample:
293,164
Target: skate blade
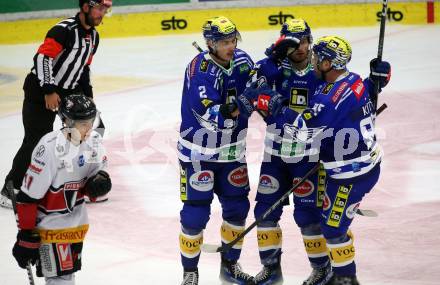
5,203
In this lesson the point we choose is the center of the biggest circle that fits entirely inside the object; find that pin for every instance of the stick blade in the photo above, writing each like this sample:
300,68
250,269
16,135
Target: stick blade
367,213
211,248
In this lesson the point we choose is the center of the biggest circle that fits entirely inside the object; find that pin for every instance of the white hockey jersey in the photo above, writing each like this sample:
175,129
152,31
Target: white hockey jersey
55,177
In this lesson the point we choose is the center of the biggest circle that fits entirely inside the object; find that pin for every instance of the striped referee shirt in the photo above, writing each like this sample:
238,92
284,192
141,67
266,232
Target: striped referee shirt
63,60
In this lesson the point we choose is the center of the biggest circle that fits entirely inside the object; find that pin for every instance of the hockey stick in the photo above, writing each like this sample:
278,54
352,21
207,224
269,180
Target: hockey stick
10,188
383,18
194,43
367,213
211,248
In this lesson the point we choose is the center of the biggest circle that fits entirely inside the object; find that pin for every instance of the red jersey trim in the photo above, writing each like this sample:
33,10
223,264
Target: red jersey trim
50,48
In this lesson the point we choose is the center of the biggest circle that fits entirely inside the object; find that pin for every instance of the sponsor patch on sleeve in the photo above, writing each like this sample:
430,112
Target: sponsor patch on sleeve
327,88
358,88
339,91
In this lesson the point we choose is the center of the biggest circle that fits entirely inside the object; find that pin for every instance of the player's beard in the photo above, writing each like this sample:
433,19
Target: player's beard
93,22
298,58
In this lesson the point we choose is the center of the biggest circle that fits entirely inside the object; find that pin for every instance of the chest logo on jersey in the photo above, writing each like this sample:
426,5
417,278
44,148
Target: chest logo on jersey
71,192
328,88
299,98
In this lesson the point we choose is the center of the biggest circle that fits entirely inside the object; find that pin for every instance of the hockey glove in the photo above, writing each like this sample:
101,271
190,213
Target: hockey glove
276,103
226,110
380,72
98,185
26,248
284,46
271,101
245,101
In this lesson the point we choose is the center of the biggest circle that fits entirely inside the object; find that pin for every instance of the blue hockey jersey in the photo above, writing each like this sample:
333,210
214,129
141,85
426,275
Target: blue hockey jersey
205,135
340,124
296,86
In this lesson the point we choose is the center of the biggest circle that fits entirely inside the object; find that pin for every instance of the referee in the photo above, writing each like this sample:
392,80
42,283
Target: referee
61,67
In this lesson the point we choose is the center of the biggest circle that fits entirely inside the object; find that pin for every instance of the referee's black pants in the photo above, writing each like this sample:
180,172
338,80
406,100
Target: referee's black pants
37,121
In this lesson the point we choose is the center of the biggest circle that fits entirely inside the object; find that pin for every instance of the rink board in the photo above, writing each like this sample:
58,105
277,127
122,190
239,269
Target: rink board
247,19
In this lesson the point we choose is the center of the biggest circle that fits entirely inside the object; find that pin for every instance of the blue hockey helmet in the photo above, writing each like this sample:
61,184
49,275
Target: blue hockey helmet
335,49
297,28
219,28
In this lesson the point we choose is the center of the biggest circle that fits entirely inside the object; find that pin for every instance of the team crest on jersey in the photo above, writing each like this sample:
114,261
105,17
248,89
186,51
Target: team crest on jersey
299,99
268,184
71,192
239,176
202,180
305,189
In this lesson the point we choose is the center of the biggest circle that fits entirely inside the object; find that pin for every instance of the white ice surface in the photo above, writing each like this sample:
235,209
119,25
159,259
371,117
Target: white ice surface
133,238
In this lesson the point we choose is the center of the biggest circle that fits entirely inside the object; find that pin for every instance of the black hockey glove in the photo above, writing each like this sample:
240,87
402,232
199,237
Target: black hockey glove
245,101
245,105
380,72
226,110
26,248
276,103
98,185
282,47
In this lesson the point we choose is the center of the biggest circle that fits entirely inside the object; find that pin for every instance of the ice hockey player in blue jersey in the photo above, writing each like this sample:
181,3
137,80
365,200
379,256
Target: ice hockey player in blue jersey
288,70
341,125
211,149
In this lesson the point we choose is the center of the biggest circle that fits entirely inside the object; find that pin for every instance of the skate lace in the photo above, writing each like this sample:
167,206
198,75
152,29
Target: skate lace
263,274
238,273
316,275
343,280
190,278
